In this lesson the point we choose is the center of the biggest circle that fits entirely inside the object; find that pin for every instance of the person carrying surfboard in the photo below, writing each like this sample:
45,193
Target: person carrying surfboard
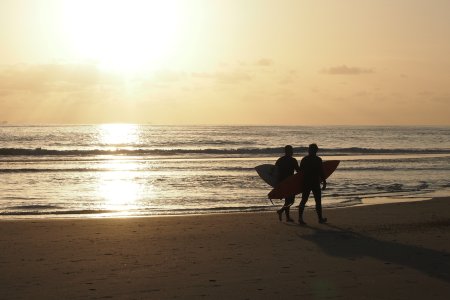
312,168
286,164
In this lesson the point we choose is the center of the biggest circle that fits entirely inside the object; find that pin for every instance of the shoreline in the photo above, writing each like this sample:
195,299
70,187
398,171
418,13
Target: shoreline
392,251
310,206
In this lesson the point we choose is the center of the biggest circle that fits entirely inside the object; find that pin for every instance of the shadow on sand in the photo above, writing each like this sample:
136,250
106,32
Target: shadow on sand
339,242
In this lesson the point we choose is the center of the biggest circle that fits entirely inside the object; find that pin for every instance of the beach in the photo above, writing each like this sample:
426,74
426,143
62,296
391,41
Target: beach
389,251
146,148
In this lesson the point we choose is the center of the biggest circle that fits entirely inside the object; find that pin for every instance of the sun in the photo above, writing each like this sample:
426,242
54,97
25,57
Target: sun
124,35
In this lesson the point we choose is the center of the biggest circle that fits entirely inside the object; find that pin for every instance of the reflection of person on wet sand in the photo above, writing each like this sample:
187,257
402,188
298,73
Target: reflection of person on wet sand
312,168
286,164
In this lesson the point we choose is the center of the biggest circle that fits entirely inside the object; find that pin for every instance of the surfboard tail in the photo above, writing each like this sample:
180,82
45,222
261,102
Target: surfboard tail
271,196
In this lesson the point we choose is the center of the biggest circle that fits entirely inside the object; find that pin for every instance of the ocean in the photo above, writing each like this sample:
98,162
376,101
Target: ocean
145,170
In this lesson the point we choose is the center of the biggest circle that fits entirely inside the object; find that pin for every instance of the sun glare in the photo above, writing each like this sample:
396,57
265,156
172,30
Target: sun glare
119,191
119,134
123,35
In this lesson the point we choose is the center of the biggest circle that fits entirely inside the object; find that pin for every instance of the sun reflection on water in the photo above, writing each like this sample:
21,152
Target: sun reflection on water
119,134
118,187
119,191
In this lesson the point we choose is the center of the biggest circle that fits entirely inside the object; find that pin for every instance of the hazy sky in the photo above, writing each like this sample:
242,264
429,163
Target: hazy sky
305,62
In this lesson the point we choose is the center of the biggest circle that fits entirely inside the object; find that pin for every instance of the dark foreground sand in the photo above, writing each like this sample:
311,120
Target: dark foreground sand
392,251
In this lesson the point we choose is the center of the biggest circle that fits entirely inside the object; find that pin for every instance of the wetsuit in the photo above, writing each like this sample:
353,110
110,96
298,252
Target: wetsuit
286,167
312,168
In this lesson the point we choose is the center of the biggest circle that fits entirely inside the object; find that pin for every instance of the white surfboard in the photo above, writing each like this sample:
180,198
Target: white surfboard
268,173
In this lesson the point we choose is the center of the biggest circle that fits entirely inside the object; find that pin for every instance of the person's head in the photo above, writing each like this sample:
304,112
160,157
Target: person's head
288,150
312,149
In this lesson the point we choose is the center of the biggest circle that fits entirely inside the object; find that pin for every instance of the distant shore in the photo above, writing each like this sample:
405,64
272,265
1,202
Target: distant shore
390,251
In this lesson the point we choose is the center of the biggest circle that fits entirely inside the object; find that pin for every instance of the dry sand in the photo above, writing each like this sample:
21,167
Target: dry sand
391,251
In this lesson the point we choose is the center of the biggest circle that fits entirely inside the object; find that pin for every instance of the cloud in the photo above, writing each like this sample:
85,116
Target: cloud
443,99
51,78
425,94
345,70
362,94
288,77
169,76
203,75
52,90
232,77
264,62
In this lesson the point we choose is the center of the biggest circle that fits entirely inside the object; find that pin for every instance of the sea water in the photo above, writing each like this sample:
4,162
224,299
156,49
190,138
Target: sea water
140,170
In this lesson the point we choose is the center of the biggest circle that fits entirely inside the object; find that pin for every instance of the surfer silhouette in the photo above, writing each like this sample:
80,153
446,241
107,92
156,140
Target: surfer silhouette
312,168
286,164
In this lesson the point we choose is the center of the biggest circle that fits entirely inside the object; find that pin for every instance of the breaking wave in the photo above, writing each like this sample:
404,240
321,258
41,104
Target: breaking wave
209,151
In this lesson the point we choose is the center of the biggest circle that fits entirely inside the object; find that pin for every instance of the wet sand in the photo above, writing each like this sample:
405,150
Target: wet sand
390,251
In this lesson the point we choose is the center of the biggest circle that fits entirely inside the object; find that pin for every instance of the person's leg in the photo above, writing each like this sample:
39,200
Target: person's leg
287,204
301,207
317,192
280,213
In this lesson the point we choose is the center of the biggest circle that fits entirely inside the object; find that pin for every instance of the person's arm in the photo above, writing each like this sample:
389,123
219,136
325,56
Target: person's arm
277,165
296,166
322,175
302,164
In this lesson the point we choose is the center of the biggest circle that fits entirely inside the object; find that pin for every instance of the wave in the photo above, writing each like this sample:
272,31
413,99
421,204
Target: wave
48,170
39,212
228,169
393,168
34,207
42,210
209,151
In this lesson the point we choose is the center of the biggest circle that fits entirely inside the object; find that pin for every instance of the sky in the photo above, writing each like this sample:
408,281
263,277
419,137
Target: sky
246,62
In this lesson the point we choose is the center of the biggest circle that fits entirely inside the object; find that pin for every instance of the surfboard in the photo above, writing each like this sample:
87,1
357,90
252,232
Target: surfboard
268,173
293,185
